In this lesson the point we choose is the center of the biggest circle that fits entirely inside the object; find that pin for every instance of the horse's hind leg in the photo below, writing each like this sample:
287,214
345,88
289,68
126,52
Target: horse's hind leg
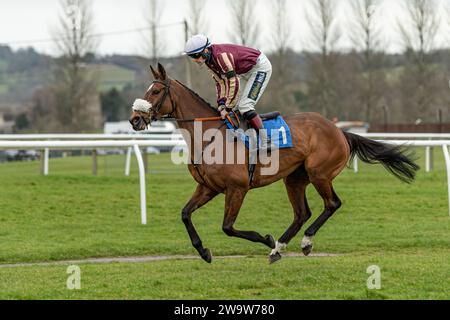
331,204
296,184
233,202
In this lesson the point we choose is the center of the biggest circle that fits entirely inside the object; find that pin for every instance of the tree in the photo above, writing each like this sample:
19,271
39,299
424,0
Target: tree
281,32
244,27
366,38
196,19
112,105
43,111
153,16
278,89
75,85
321,18
194,24
22,122
419,81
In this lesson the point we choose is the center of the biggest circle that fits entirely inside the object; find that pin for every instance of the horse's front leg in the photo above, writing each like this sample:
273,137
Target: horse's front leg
233,202
200,197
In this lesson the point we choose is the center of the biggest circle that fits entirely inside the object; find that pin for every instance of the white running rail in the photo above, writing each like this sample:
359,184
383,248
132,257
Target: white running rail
430,143
135,144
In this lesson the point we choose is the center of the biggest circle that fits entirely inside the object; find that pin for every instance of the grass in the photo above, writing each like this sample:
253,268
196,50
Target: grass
111,76
70,214
403,276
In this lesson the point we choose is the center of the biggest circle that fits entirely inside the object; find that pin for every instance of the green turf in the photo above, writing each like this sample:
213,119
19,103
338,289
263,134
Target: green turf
404,276
111,76
70,214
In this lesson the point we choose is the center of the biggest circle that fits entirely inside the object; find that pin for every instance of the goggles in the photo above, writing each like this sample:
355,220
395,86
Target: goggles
195,55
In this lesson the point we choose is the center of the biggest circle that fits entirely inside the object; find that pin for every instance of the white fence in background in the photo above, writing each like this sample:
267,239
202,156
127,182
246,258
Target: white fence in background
100,136
140,136
82,144
134,141
421,143
79,137
410,136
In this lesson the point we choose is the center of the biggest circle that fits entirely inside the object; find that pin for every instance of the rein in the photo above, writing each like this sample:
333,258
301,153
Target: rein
174,107
197,119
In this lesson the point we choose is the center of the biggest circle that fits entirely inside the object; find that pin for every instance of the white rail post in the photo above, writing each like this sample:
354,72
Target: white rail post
447,164
127,162
142,183
428,159
46,154
355,163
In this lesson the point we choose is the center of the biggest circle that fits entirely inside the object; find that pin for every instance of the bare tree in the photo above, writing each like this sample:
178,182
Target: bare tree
75,89
280,37
419,35
366,37
418,81
281,32
195,23
245,27
196,18
153,38
321,18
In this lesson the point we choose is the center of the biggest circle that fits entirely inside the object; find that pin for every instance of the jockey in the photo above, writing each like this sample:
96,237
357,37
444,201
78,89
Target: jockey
241,75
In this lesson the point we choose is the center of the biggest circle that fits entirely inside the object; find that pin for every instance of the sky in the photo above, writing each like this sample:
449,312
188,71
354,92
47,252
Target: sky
24,20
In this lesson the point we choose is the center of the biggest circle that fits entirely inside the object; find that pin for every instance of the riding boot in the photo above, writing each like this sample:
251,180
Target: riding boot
255,121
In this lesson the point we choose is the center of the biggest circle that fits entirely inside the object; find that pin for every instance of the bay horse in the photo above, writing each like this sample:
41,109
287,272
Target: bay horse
320,152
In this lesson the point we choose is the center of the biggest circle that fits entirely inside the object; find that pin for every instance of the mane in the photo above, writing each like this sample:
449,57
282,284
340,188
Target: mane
198,97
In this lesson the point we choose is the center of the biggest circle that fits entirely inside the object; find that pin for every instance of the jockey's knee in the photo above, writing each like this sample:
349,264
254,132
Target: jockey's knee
246,109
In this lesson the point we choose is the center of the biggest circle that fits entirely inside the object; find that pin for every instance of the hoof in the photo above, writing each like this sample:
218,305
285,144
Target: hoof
270,241
307,250
206,255
274,257
307,245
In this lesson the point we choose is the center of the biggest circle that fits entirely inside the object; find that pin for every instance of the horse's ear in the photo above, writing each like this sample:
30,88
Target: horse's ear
155,74
162,72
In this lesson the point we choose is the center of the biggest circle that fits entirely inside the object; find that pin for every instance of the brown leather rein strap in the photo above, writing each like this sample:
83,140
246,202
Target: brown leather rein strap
199,119
212,119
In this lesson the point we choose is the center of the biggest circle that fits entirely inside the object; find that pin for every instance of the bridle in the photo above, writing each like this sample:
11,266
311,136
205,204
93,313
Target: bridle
170,116
158,107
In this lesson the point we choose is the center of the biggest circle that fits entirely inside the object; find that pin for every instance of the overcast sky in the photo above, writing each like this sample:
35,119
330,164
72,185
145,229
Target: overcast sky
23,20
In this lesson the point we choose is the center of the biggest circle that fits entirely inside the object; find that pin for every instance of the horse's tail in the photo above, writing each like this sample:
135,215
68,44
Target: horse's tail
393,158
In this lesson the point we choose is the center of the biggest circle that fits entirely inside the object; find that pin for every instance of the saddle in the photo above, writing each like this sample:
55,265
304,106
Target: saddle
237,121
270,115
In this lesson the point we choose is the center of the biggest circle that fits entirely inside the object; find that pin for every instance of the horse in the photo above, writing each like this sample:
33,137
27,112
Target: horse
320,152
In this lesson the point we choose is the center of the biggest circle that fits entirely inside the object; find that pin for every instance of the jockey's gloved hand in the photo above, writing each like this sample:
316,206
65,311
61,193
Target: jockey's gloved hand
223,111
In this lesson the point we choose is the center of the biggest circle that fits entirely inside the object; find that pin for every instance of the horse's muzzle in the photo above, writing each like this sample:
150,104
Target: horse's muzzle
138,123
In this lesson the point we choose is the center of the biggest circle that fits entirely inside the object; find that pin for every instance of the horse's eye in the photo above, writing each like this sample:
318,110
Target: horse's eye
156,91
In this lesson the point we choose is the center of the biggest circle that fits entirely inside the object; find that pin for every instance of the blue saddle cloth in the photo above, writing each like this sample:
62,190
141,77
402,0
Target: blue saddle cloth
277,130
